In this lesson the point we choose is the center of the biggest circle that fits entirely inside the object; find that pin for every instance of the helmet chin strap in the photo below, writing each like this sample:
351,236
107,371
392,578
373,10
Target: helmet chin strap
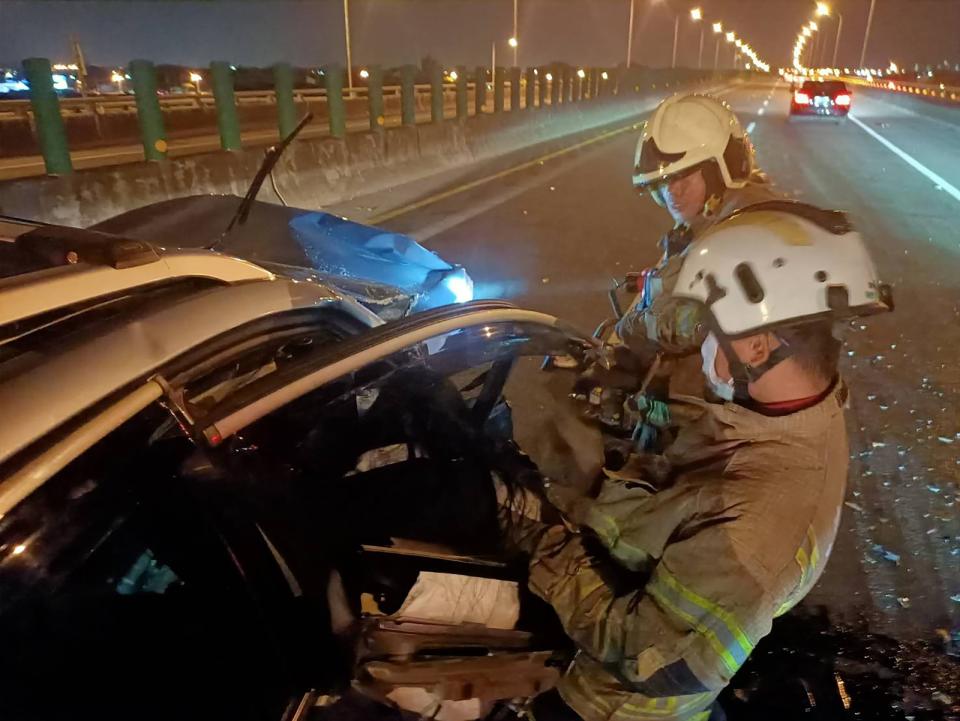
744,374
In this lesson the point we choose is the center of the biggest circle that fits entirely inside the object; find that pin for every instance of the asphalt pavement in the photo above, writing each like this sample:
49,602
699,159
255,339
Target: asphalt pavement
552,234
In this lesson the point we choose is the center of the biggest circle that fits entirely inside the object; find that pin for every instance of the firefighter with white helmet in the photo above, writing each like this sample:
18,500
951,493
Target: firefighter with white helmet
695,159
734,523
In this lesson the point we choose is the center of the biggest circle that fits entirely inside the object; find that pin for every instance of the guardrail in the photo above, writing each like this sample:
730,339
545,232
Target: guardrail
938,91
43,120
107,103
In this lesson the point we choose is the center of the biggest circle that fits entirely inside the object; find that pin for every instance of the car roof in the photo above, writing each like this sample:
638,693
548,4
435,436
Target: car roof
48,267
44,384
93,312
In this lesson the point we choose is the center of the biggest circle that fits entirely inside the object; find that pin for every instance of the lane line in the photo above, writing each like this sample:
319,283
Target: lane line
450,221
939,181
436,198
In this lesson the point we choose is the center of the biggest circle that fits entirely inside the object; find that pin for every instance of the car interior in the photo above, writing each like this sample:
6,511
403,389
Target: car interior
309,551
393,485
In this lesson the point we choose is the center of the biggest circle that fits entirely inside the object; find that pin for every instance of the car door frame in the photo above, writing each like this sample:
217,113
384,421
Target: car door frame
374,345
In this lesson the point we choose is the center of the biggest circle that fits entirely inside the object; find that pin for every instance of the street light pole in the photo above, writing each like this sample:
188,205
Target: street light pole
630,32
346,34
866,34
697,16
515,43
717,30
836,45
676,38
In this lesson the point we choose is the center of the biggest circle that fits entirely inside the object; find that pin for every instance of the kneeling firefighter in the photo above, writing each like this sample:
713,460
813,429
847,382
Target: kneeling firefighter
666,585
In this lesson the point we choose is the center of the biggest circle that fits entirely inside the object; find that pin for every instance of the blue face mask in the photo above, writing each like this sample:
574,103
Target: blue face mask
708,351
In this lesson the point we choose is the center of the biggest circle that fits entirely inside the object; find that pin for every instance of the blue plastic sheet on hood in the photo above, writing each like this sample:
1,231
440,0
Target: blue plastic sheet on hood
339,246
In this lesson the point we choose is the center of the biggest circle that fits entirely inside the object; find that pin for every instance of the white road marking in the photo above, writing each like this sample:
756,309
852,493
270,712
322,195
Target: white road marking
751,127
939,181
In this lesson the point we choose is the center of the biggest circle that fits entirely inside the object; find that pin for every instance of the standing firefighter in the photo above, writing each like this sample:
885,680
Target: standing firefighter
733,524
695,160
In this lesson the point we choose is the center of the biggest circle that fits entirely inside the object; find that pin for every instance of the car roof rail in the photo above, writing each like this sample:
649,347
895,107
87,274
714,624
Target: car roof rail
84,266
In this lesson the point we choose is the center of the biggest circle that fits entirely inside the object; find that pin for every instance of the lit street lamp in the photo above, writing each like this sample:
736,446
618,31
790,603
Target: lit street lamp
731,38
697,16
364,73
718,31
195,78
118,79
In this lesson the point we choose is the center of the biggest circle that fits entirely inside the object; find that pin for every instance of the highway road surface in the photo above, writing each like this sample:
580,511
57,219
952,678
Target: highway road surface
551,233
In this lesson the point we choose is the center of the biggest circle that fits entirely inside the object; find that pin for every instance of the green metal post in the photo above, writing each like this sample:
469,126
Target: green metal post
144,80
480,89
514,89
46,112
544,85
531,88
221,78
498,90
463,110
408,102
336,108
556,72
375,97
286,107
436,95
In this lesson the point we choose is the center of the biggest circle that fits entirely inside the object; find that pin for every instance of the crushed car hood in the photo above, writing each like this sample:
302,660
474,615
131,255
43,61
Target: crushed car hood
388,272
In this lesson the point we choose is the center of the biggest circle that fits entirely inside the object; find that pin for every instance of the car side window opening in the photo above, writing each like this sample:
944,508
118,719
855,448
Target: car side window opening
120,597
403,448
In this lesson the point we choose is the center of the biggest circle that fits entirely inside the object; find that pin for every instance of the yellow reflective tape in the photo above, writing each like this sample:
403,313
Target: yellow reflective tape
814,549
803,563
673,703
728,660
733,626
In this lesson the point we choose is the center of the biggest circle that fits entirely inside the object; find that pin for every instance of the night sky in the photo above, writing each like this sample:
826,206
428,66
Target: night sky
391,32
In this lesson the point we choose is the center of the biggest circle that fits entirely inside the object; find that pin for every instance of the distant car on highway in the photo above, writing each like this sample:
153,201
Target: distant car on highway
821,99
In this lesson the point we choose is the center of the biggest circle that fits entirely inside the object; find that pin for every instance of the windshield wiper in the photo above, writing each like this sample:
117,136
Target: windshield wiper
270,159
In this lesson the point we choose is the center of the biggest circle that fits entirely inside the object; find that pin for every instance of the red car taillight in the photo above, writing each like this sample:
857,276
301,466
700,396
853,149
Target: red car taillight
843,100
801,98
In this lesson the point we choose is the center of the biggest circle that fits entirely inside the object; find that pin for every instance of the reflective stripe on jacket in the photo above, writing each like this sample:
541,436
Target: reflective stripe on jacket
739,538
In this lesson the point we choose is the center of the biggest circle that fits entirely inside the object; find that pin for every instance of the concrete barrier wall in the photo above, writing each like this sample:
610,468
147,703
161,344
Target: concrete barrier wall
318,172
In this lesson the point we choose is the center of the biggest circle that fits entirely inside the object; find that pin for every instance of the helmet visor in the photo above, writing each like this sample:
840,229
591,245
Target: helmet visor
654,160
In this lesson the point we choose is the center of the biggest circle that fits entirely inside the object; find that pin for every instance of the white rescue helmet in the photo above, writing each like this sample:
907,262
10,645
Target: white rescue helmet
779,264
686,132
